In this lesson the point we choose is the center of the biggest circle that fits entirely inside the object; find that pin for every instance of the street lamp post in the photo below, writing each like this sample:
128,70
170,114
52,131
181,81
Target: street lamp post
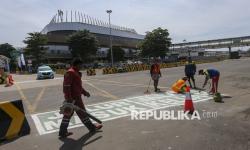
187,48
110,38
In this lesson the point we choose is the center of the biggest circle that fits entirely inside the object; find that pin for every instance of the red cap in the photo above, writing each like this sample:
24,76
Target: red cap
188,89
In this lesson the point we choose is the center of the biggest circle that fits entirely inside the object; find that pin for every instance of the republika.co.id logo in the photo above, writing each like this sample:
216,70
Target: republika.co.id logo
172,115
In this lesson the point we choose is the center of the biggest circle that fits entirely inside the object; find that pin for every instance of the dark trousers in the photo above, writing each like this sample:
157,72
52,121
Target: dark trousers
191,77
155,78
156,84
83,117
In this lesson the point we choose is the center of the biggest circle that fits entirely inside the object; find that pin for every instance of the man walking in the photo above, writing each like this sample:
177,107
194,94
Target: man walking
72,89
155,74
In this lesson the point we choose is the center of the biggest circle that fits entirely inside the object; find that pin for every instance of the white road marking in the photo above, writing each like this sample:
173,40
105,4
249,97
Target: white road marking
49,122
32,81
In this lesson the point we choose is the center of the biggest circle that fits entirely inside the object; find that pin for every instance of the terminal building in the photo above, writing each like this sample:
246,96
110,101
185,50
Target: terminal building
64,24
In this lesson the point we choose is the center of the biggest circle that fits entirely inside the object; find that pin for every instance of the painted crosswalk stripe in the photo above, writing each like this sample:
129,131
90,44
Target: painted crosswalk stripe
49,122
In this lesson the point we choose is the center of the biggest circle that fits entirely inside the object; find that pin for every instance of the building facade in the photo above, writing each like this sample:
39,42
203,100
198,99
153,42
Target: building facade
64,24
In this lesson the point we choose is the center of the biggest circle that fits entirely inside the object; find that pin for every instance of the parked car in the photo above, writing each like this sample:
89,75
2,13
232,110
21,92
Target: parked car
45,72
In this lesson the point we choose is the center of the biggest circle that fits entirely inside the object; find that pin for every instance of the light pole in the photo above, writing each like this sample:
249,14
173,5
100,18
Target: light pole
187,48
110,38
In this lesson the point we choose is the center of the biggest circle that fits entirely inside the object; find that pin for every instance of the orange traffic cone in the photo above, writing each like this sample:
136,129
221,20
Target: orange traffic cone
188,102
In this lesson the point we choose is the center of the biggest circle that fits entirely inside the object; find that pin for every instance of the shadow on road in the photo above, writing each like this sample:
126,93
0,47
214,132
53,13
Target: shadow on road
226,96
73,144
4,141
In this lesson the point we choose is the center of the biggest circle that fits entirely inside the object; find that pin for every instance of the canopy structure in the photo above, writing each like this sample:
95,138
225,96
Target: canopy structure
4,61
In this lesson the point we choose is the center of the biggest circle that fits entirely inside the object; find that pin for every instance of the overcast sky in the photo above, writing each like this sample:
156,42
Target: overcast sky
185,19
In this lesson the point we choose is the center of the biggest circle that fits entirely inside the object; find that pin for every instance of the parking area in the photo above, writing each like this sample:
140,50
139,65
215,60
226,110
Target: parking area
114,96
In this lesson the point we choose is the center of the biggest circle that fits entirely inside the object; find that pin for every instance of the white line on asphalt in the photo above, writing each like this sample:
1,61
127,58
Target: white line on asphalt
49,122
32,81
38,124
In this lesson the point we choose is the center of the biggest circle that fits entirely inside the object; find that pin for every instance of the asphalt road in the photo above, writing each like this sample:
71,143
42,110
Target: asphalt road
229,129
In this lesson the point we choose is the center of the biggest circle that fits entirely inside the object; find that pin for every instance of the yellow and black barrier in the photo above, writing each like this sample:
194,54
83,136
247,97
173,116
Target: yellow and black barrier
91,72
104,71
13,122
134,67
110,70
61,71
142,67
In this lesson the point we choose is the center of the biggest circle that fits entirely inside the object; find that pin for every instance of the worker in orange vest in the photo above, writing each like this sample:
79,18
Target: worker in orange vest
180,85
5,78
155,74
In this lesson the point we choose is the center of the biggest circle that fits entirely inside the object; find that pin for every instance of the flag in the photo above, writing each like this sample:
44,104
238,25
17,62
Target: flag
19,62
23,60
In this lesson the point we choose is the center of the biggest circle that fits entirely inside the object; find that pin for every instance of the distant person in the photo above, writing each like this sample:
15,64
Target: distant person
190,70
72,89
211,74
5,78
155,73
180,85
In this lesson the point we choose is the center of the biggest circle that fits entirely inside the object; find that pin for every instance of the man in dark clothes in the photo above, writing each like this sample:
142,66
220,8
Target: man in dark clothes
190,70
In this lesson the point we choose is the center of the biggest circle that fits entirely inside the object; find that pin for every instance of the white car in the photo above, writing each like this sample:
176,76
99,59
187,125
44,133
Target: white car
45,72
